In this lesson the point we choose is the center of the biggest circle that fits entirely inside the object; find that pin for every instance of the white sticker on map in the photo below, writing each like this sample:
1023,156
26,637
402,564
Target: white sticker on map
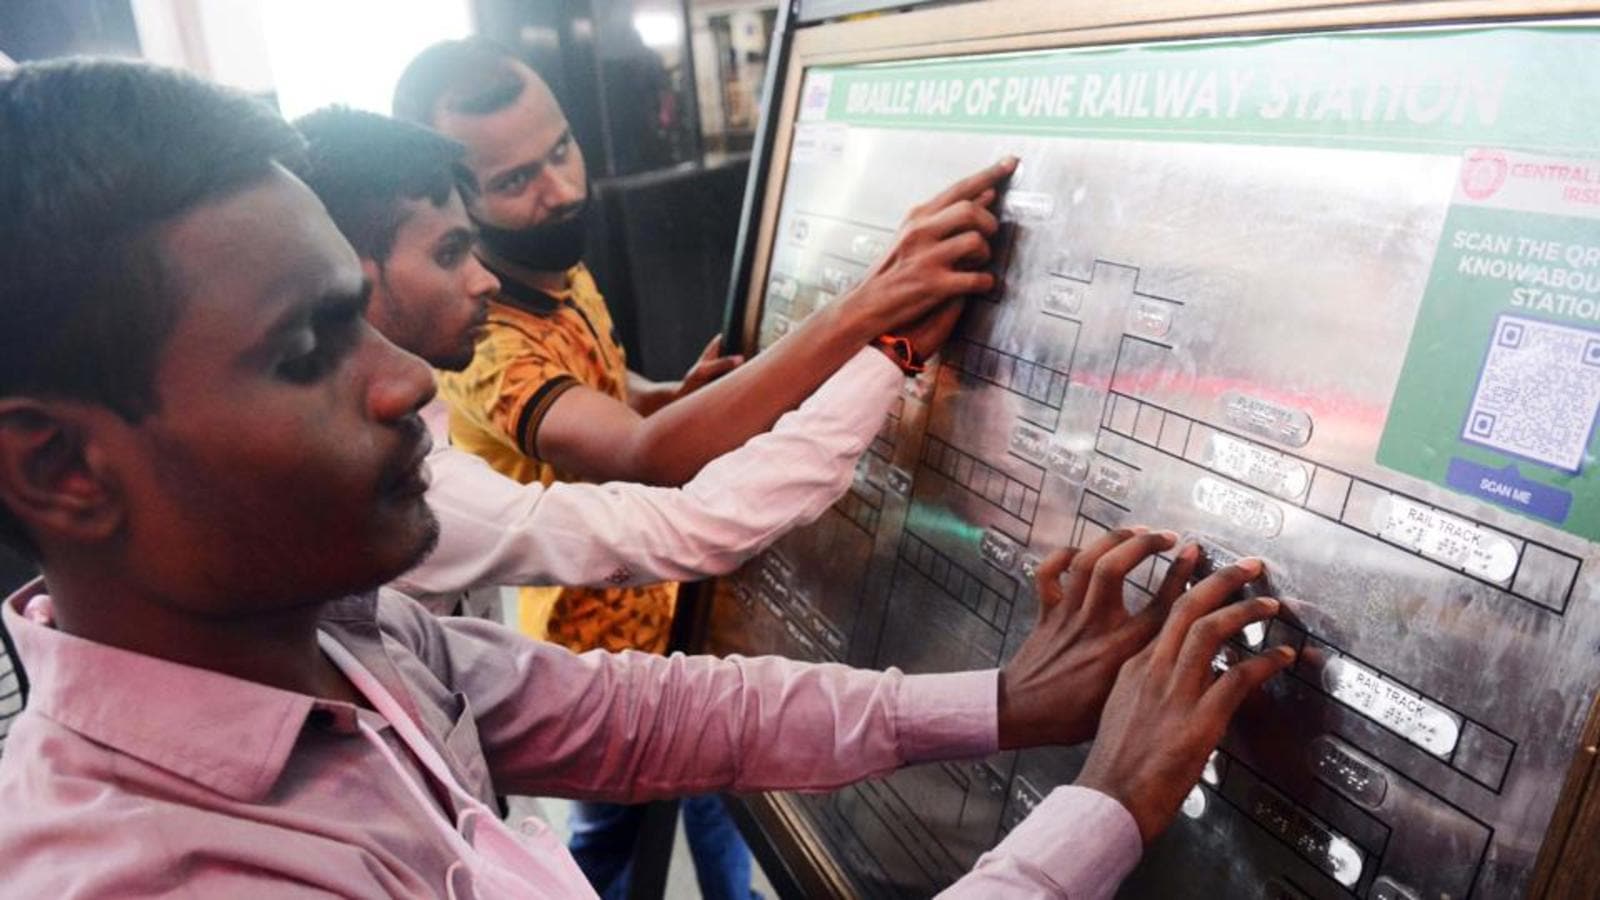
867,247
1066,462
1238,507
1328,850
1414,718
1111,481
1150,318
1258,467
1538,392
1344,861
998,550
1445,538
1029,442
1063,298
1255,634
1028,206
784,288
1273,421
839,280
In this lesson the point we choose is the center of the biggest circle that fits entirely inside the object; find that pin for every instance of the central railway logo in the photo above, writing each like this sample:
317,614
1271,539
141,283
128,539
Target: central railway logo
1483,174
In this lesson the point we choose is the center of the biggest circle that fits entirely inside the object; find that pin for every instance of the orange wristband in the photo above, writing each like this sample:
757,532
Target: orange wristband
902,352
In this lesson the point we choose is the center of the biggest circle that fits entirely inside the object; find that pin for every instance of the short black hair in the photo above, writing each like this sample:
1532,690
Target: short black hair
363,165
95,155
475,76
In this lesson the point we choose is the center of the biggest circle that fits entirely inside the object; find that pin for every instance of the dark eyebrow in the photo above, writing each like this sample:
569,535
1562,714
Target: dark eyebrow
457,235
338,304
566,135
530,169
334,304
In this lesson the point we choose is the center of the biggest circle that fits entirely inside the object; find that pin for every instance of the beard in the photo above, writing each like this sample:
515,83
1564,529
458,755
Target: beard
553,246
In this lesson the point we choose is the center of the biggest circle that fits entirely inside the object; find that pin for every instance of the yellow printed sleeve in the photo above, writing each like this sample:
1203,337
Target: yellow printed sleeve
513,380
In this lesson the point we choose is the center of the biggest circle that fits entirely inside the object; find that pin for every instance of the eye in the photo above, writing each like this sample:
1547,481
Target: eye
558,153
451,256
512,184
317,350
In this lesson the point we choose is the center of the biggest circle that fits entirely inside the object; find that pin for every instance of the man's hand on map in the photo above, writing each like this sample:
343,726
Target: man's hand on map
1052,691
938,254
929,333
1169,708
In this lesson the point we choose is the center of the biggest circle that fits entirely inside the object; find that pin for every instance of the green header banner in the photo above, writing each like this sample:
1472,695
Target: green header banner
1438,90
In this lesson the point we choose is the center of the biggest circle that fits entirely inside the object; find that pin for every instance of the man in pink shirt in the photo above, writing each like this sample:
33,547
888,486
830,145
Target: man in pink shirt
216,459
398,192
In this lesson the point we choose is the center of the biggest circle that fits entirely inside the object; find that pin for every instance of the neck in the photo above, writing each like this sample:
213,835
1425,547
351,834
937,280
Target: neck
277,648
549,282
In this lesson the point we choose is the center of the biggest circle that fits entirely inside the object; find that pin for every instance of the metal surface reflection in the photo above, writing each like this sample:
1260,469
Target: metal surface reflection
1201,337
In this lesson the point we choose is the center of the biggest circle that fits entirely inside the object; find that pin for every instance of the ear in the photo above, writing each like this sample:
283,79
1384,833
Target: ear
381,312
51,476
372,271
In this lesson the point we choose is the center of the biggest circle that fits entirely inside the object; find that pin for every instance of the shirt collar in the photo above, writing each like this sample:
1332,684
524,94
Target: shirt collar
228,734
520,295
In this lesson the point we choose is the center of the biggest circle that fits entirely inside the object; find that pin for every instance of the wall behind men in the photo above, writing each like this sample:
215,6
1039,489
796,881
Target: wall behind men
37,29
661,248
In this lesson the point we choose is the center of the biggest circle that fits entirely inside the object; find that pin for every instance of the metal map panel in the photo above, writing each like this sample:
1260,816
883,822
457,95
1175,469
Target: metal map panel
1205,335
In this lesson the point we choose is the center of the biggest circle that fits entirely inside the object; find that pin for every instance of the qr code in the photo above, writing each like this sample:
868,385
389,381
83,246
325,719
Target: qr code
1538,392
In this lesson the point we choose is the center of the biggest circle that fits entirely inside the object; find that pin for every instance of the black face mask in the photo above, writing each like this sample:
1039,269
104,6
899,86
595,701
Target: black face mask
551,247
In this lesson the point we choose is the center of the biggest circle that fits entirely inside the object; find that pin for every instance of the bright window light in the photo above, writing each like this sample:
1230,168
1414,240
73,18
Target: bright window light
658,29
351,51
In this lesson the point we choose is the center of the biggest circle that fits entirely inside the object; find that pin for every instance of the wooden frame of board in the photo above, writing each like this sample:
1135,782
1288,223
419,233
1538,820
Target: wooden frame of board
1569,858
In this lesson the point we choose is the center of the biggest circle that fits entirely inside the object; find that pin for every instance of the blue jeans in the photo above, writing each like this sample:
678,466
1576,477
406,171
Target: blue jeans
603,835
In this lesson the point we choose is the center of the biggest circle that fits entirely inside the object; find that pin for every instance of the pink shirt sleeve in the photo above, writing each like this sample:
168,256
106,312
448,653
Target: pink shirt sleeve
628,727
494,531
1077,845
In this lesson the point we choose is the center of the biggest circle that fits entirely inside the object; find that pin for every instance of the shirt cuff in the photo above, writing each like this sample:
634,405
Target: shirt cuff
949,716
868,374
880,366
1082,840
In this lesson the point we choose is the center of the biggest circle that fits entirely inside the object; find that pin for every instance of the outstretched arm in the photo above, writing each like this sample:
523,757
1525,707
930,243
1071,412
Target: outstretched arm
935,258
494,531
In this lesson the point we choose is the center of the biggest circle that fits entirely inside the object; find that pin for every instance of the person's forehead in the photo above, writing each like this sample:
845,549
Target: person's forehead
519,134
423,222
242,261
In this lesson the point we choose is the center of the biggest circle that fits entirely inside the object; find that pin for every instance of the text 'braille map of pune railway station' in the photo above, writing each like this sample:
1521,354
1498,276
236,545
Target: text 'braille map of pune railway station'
1332,301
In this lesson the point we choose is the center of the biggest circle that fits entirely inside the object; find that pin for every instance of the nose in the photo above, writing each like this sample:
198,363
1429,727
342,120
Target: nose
481,283
400,383
560,190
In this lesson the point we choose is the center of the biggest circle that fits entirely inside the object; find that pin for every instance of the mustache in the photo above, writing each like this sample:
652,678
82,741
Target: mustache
565,213
415,444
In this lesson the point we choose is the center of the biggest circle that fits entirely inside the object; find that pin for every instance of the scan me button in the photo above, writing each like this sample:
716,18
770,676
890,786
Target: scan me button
1506,487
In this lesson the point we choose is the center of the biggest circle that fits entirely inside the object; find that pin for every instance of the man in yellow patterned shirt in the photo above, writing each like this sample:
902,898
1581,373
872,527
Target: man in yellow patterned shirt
537,347
548,395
